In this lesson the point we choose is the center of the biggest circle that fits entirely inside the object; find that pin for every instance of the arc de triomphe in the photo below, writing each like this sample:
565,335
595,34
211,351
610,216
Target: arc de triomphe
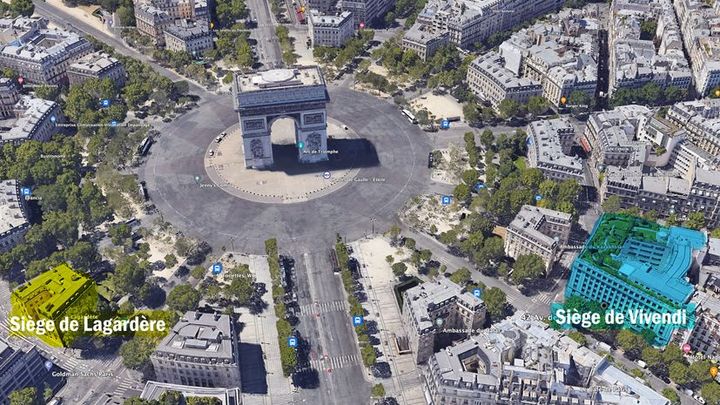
262,97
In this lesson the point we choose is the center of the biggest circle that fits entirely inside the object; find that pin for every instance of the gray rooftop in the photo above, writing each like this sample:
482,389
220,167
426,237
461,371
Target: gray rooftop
95,62
530,218
428,296
546,142
332,21
12,215
200,335
31,113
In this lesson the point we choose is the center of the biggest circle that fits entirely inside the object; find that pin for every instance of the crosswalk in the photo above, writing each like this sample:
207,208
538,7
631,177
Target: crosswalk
322,307
332,363
122,388
544,298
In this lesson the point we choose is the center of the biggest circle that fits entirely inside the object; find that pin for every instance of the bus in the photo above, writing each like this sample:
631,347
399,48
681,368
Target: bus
409,116
144,146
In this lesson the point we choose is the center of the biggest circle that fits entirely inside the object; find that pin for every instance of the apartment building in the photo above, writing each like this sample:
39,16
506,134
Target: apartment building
193,39
521,360
40,54
632,263
330,30
469,22
13,216
97,65
20,369
423,41
610,136
364,12
34,119
549,144
154,391
202,350
489,78
540,231
432,308
152,21
9,96
700,27
634,61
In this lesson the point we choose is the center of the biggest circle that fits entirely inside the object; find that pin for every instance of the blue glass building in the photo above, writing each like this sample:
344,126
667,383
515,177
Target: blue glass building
632,263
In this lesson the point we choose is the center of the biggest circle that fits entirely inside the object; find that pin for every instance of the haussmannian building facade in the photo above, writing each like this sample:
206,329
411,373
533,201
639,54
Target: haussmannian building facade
540,231
434,307
202,350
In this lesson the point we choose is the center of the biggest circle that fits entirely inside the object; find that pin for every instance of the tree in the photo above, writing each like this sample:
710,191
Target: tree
390,259
671,395
126,16
651,356
136,352
696,220
487,138
699,371
198,272
630,341
508,108
527,267
462,194
129,276
368,355
399,269
472,112
25,396
678,373
170,260
580,102
461,276
119,233
578,337
648,27
537,105
183,298
493,249
711,393
378,390
495,301
241,287
612,204
672,220
470,177
410,243
393,233
24,8
672,354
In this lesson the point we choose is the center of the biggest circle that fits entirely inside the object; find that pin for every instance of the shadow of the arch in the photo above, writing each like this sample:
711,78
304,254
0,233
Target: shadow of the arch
343,154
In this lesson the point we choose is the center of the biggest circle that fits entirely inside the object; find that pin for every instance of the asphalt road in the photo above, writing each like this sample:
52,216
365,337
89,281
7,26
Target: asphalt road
209,213
268,48
327,325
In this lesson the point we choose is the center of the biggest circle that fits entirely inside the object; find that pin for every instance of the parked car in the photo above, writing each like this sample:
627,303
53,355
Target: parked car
381,370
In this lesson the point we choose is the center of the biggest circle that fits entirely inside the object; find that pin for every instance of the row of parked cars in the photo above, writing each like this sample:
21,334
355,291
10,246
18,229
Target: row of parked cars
380,369
288,282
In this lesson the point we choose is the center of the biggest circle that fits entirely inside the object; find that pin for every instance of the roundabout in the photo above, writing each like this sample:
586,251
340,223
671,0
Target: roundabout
380,164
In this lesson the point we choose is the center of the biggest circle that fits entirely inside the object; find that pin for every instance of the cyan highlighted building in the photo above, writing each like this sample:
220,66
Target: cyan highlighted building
632,263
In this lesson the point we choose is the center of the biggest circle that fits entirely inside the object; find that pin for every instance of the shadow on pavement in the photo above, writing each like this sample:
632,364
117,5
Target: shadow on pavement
252,369
343,154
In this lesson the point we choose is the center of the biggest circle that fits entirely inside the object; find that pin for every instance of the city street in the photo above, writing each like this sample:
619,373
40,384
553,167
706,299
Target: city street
326,323
267,46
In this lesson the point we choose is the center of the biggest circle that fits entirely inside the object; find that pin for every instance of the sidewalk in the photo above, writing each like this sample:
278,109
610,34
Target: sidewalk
378,279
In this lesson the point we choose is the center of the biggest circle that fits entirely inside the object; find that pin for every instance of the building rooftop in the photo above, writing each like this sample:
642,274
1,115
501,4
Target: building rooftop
12,213
154,390
50,293
95,62
420,34
30,113
44,44
546,142
523,348
530,218
186,32
643,252
493,65
279,78
323,20
427,296
201,335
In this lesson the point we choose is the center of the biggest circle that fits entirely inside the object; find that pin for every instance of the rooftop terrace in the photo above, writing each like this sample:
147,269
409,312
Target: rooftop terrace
644,253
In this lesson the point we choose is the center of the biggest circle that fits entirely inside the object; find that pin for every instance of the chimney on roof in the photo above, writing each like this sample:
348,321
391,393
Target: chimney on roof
216,316
197,315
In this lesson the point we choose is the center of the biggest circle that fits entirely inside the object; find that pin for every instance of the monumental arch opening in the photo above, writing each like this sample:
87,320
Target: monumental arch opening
300,93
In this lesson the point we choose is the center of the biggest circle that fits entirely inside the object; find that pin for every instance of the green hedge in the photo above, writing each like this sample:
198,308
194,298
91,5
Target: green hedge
288,355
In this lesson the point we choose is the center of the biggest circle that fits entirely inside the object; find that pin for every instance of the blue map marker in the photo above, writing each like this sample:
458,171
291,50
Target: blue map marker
217,268
292,341
357,320
446,200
